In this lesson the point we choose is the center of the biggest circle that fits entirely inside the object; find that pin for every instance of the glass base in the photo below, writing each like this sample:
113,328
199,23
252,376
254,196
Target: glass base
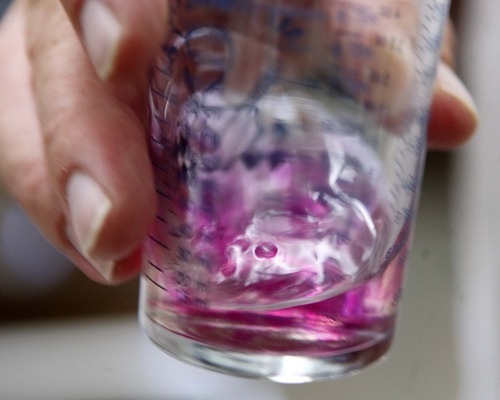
280,368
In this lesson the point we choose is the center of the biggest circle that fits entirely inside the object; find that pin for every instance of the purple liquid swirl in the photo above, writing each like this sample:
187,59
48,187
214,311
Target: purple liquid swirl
270,239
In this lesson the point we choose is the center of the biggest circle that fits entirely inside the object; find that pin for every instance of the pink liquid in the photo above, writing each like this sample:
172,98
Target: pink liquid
264,256
352,321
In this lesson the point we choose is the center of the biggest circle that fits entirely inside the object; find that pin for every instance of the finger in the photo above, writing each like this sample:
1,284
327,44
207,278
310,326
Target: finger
454,116
121,38
23,170
95,147
23,167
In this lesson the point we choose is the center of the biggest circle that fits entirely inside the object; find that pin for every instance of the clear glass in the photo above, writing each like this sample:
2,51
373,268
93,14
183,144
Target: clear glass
287,139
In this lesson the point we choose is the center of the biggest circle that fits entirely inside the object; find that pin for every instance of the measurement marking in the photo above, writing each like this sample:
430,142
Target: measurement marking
163,194
158,242
159,93
157,141
155,266
399,165
163,120
159,117
163,94
157,68
159,167
156,283
160,218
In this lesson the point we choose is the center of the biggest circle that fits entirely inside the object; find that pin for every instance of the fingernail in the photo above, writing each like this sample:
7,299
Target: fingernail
101,36
89,208
105,268
450,83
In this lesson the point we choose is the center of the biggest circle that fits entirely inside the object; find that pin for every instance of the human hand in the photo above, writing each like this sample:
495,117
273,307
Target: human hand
73,148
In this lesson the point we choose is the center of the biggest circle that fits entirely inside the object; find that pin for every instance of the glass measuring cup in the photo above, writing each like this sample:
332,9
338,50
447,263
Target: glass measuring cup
287,138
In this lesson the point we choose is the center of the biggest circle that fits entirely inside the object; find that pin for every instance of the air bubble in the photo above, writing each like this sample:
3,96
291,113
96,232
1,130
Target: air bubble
266,250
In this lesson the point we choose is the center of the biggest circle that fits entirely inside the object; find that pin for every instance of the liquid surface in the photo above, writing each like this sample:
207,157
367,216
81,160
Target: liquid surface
271,206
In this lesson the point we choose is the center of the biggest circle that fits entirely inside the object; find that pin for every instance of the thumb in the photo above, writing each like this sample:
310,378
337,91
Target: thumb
121,38
453,116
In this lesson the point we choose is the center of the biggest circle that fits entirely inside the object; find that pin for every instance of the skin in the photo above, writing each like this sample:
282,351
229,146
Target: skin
58,116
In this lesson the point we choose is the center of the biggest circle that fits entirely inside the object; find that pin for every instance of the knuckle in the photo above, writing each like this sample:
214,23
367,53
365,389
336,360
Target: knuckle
47,28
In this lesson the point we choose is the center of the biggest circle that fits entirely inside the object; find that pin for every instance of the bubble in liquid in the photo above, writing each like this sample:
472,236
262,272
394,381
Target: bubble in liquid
266,250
